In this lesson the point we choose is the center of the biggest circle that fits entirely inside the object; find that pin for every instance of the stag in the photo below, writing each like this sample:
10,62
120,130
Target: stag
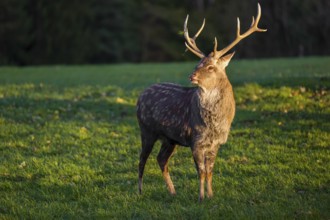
197,117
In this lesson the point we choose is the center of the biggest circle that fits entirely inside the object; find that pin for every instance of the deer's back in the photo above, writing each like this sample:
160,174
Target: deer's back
164,109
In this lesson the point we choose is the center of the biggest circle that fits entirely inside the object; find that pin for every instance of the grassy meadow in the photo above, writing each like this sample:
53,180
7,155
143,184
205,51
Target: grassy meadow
69,144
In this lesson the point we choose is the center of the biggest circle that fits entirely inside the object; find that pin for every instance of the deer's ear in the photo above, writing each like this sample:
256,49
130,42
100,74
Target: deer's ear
226,59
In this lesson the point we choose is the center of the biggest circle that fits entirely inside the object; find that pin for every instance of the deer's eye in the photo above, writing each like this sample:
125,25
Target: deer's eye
210,68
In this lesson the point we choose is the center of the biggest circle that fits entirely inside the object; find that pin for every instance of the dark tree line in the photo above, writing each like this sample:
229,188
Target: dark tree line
36,32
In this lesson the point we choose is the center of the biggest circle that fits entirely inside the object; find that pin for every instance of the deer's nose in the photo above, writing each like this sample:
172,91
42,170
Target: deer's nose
193,77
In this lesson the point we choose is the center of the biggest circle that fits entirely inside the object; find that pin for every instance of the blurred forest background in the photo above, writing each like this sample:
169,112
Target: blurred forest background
34,32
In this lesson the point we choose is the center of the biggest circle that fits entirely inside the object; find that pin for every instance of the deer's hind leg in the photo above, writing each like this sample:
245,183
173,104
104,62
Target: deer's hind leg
164,154
148,140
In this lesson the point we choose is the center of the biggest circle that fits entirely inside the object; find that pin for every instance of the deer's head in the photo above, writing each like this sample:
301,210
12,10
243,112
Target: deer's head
211,68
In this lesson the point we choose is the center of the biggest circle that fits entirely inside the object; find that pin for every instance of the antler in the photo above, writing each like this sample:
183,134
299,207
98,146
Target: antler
253,28
190,42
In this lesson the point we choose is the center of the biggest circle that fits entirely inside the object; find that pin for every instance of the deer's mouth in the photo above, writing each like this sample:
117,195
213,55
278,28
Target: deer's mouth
193,79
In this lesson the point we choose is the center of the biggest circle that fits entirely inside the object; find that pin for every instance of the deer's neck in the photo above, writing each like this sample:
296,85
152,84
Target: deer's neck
214,112
208,100
212,100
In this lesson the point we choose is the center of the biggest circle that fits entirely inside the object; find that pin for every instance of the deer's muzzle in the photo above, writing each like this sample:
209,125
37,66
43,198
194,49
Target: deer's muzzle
193,79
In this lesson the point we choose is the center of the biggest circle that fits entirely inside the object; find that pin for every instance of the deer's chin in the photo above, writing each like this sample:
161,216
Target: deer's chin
194,82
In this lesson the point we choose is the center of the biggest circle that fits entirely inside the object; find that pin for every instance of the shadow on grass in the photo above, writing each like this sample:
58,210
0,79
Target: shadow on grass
298,120
312,83
41,111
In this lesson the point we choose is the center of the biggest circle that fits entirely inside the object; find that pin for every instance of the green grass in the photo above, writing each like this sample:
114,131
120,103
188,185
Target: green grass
69,144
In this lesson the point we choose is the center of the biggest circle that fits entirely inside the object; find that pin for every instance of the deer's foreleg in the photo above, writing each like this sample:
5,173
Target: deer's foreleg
198,155
210,157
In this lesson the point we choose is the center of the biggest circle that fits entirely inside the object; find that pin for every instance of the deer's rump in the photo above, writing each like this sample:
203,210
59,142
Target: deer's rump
164,109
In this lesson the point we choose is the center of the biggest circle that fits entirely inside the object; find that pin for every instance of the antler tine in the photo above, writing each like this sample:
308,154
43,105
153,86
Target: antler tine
190,42
238,31
257,20
215,45
253,28
193,51
200,30
252,23
185,29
